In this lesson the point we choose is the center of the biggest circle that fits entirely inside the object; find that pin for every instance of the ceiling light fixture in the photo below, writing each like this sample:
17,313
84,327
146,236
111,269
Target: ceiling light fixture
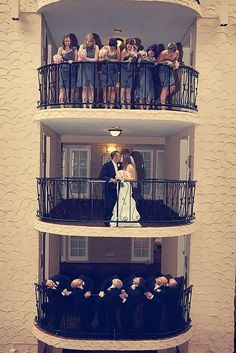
115,131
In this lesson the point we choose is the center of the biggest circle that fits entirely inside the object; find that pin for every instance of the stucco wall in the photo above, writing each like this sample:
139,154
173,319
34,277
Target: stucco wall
212,260
172,153
19,164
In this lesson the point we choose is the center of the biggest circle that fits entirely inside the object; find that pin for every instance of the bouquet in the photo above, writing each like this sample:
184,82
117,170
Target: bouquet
121,175
57,59
103,52
176,65
142,54
82,55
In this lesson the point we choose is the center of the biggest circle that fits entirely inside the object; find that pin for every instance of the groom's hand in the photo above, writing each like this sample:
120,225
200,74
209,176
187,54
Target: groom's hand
112,180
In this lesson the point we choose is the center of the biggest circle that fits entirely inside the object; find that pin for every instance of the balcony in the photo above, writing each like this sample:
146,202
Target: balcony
65,322
143,81
81,201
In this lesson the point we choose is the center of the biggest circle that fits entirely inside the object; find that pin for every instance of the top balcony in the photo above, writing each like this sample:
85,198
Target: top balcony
41,5
116,85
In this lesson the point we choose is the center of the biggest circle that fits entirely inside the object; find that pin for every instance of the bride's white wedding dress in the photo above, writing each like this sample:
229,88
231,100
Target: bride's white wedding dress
125,213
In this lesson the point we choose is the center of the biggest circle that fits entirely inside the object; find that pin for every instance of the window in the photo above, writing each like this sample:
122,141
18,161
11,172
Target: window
77,248
142,250
74,249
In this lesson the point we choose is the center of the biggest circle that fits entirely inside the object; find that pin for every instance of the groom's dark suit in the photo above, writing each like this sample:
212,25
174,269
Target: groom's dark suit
110,191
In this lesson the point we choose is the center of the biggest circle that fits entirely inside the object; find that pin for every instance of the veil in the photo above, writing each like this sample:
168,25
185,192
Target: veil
133,162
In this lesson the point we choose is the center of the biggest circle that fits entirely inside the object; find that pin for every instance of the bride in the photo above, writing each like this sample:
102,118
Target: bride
125,213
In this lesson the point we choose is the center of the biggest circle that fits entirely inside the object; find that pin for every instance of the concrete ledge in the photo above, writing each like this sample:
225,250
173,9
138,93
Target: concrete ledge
187,3
111,345
119,232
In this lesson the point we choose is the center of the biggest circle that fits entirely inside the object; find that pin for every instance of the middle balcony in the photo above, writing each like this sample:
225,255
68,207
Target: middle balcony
89,202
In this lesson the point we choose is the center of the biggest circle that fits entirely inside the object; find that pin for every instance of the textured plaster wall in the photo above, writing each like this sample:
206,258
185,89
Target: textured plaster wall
172,152
212,261
19,163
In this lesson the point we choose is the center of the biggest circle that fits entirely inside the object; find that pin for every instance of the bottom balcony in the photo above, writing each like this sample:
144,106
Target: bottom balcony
97,345
149,321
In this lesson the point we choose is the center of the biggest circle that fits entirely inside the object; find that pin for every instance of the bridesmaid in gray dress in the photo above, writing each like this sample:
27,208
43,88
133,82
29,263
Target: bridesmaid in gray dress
87,73
128,56
168,61
67,73
144,93
110,72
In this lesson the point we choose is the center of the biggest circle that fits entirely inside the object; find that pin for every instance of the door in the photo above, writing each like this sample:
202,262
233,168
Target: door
147,156
76,164
183,175
160,174
184,155
46,153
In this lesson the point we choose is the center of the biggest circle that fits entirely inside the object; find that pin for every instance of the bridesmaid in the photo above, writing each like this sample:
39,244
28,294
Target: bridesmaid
110,71
168,61
128,55
68,55
87,73
145,88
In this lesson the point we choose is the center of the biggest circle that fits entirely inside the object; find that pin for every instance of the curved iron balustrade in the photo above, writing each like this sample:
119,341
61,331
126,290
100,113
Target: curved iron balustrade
51,80
66,323
163,202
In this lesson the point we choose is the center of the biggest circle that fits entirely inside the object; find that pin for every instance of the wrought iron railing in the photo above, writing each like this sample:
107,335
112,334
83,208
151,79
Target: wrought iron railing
66,322
83,200
115,85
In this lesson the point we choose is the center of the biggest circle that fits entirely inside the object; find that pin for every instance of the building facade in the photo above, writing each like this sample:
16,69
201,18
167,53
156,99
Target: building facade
180,143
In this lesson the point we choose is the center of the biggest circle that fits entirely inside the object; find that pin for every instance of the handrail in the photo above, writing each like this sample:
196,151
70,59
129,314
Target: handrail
118,85
84,199
66,321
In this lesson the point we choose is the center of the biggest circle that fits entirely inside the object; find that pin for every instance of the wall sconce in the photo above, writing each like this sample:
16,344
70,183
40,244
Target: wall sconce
115,131
111,148
15,10
224,15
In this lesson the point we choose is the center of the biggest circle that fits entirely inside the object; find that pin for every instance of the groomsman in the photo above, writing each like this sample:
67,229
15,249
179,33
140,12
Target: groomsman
82,300
108,174
58,292
173,309
109,302
154,302
132,303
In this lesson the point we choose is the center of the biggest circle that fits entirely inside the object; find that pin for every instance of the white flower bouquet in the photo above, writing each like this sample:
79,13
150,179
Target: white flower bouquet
82,54
57,59
103,52
121,175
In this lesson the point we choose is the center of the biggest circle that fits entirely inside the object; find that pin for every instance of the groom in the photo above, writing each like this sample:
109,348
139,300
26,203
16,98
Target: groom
108,174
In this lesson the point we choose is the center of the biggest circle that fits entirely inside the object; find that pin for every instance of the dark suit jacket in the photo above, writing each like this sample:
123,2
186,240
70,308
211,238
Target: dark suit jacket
150,282
107,172
54,294
158,293
114,292
62,282
173,295
138,291
88,284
